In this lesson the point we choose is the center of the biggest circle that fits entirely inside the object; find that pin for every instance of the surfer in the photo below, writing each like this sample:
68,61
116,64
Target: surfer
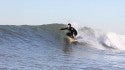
72,31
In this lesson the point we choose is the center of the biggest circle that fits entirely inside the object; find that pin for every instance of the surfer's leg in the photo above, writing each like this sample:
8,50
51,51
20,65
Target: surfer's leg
68,34
75,34
71,35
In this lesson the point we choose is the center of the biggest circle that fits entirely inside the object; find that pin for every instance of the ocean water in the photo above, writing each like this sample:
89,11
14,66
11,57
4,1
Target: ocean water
43,47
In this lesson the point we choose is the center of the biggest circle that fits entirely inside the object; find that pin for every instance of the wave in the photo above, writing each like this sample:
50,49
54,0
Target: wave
102,40
50,35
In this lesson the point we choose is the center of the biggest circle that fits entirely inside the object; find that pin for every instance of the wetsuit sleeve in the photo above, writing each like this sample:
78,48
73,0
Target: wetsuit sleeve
63,28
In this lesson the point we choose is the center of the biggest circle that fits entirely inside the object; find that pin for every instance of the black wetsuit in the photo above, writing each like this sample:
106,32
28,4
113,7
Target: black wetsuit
71,31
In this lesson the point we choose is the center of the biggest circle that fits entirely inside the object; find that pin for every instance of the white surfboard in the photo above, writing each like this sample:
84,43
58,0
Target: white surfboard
72,40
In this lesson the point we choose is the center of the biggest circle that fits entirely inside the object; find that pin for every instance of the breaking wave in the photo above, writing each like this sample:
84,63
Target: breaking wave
50,35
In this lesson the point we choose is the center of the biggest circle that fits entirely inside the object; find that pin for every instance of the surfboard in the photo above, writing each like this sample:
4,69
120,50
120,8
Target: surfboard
72,40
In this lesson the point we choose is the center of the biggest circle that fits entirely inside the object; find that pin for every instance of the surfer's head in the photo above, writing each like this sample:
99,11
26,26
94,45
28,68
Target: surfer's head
69,25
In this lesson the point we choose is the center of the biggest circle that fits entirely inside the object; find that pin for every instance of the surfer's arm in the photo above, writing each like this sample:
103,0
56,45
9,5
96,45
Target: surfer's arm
63,28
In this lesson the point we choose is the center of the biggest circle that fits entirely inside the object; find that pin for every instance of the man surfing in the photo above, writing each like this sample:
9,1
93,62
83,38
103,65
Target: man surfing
72,31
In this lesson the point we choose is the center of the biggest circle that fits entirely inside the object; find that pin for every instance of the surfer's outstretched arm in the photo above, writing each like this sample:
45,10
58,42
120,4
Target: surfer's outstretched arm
63,28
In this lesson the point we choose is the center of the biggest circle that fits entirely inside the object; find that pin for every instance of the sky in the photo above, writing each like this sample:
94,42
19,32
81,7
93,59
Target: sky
107,15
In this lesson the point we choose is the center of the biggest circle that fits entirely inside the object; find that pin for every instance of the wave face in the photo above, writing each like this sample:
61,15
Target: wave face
11,35
50,35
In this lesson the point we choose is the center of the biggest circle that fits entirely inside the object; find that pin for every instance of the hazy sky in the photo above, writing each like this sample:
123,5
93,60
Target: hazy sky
103,14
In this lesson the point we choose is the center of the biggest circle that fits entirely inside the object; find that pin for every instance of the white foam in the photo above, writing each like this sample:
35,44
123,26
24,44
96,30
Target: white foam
101,40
